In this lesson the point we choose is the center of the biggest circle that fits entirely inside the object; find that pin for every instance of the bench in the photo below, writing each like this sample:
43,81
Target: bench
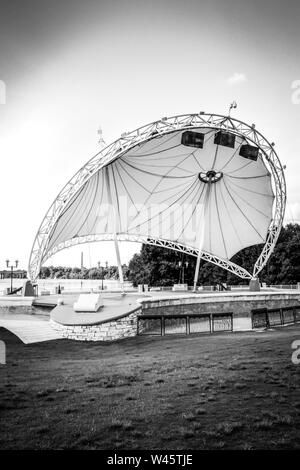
88,303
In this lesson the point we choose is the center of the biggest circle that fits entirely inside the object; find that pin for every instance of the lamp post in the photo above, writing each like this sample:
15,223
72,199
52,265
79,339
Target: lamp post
179,265
102,268
182,265
11,272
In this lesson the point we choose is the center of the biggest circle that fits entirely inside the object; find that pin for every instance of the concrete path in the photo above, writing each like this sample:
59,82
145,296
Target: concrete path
28,329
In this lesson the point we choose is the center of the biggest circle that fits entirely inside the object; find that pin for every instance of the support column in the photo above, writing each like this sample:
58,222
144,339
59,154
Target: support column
119,263
254,285
203,217
197,270
109,195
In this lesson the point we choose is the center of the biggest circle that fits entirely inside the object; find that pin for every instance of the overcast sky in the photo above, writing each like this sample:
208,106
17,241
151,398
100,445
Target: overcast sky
70,66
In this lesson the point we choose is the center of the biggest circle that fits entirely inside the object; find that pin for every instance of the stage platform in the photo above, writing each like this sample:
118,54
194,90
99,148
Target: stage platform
117,305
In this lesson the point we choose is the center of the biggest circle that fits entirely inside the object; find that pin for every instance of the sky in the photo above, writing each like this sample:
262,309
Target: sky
68,67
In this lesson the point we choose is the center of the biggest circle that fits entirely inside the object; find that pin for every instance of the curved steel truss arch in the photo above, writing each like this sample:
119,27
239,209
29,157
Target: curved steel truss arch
228,265
40,252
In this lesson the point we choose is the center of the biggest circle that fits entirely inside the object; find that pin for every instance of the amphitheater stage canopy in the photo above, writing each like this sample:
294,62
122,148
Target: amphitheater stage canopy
201,184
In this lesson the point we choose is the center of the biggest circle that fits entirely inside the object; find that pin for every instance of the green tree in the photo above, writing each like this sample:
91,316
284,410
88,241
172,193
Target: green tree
159,266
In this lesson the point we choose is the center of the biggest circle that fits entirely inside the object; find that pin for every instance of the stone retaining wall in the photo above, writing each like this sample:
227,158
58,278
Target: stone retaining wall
126,326
116,329
240,305
218,303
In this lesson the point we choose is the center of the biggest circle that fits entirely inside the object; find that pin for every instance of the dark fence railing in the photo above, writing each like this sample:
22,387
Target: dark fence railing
162,325
266,318
184,324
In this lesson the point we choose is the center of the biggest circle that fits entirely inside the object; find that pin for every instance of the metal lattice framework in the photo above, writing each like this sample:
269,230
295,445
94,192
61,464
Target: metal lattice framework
40,252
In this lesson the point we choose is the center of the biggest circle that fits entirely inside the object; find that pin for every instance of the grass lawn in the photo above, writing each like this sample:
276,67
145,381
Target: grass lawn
222,391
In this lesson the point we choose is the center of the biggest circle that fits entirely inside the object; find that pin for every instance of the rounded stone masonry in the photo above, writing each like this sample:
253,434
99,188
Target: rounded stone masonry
116,319
106,331
182,313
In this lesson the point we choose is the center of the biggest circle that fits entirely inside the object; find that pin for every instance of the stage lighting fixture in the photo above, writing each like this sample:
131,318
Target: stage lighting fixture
225,138
192,139
249,151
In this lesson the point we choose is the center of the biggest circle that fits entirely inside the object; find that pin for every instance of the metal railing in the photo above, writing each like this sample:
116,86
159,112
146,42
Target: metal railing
163,325
212,288
266,318
285,286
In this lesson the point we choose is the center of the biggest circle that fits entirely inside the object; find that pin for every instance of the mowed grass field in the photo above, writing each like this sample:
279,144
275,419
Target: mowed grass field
222,391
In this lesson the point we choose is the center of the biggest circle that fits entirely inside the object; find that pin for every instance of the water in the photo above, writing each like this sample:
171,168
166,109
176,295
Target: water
39,312
75,285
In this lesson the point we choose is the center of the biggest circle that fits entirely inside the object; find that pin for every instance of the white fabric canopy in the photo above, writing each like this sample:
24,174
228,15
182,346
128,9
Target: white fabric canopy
154,190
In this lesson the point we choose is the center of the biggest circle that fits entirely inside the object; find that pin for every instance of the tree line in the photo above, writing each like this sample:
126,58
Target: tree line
63,272
158,266
163,267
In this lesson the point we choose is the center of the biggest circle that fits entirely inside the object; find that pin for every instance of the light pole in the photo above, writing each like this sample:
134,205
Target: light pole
179,265
182,265
11,272
102,275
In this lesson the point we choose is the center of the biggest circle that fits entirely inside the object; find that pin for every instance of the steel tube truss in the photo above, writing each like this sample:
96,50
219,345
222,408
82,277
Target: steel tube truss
232,267
40,253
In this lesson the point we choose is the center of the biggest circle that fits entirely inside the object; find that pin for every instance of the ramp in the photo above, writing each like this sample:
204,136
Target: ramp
30,331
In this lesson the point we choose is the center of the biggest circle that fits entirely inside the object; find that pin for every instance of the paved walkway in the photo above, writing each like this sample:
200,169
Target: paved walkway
28,329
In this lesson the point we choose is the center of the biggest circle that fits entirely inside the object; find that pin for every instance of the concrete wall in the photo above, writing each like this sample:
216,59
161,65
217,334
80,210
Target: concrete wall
240,305
122,328
16,301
